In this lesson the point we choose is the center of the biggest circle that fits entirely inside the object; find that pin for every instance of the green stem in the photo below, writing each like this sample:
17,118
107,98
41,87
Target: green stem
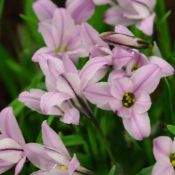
162,27
169,98
119,170
97,126
88,113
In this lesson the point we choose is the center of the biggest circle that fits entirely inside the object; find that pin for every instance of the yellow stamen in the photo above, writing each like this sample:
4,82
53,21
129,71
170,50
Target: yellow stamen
134,67
173,163
62,167
128,99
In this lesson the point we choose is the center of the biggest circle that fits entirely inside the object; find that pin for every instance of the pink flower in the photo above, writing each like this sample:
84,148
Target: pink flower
101,2
128,58
91,38
51,103
61,36
11,143
52,157
129,98
65,85
164,153
44,9
80,10
137,12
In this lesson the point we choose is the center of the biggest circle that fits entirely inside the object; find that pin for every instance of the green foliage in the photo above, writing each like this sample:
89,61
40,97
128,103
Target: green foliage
1,7
146,171
113,171
171,128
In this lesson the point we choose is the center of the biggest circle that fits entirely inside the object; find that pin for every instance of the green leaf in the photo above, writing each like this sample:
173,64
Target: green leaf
146,171
171,128
113,170
162,27
6,74
1,7
97,19
72,140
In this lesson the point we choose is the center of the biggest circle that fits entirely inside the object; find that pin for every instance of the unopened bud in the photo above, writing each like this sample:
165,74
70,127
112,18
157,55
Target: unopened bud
113,38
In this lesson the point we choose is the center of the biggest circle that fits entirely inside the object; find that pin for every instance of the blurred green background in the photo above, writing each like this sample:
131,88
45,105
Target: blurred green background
19,39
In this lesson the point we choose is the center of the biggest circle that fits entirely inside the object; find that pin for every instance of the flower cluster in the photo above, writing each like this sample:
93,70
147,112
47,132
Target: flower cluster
51,158
131,76
116,77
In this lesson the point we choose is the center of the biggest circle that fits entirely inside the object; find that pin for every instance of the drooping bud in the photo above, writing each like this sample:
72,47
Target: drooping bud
113,38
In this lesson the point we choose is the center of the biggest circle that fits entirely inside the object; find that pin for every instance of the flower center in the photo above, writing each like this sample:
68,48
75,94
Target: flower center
134,67
128,99
172,159
62,167
61,49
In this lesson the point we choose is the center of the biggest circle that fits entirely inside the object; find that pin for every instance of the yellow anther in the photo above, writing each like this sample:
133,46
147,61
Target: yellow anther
134,67
128,99
126,104
173,163
62,167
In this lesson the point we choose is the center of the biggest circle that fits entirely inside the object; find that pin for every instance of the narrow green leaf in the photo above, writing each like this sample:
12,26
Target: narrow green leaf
164,39
171,128
113,170
6,74
165,17
72,140
146,171
1,7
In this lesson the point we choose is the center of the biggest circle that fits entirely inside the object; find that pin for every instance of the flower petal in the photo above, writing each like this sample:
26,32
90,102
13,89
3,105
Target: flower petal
138,126
9,126
121,56
121,86
69,84
114,16
71,116
124,112
146,78
166,68
20,165
162,168
10,151
37,155
162,147
4,168
63,25
51,67
143,102
94,70
44,9
99,94
32,99
51,103
101,2
52,139
116,74
38,53
53,171
146,26
80,10
74,164
45,28
123,30
90,37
